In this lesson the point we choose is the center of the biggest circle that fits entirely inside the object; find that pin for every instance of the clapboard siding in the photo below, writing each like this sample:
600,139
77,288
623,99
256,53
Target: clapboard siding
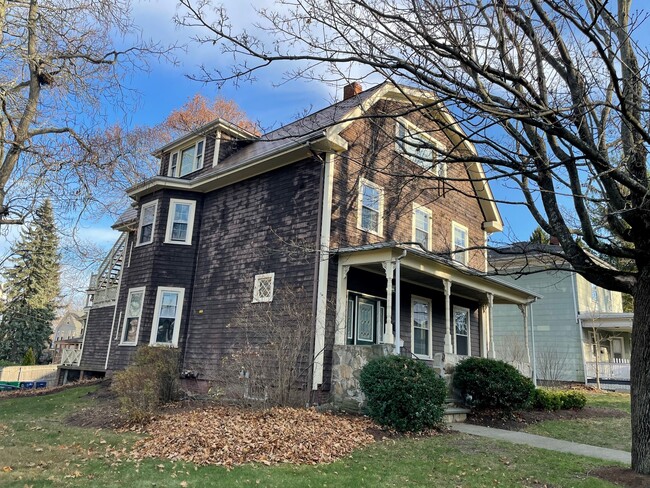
98,331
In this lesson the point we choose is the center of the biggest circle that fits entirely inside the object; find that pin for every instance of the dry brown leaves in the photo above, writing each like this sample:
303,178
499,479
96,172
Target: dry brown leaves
229,436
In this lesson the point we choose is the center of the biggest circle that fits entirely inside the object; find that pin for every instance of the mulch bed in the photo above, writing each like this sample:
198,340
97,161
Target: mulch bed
623,477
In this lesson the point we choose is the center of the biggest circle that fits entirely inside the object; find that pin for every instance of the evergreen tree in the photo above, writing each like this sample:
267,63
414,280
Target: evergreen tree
539,236
32,287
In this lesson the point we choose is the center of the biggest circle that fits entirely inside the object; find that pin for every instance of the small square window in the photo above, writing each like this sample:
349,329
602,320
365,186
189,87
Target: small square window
263,288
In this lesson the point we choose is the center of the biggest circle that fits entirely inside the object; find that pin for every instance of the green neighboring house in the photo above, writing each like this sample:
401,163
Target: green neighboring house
576,332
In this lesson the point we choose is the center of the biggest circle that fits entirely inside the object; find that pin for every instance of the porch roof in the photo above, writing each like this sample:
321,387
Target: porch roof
606,320
429,269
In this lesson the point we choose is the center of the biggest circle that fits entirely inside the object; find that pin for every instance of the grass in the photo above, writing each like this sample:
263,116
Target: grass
41,450
611,432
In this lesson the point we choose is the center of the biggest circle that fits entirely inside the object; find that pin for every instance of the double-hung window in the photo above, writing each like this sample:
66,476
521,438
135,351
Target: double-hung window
167,317
180,221
147,223
187,160
460,242
422,226
421,327
462,331
131,326
371,203
419,148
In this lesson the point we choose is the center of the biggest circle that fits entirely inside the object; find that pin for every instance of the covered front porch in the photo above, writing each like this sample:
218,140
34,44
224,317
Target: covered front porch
607,346
401,300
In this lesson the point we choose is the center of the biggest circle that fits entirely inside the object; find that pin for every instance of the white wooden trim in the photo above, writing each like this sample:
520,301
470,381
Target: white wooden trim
217,147
416,298
323,271
170,221
154,204
341,304
380,219
142,289
469,329
177,318
429,213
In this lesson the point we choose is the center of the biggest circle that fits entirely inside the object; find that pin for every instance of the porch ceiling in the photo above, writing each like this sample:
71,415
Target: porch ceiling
427,270
610,320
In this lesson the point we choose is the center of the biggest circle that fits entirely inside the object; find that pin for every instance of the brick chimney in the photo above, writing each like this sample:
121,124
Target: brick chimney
351,90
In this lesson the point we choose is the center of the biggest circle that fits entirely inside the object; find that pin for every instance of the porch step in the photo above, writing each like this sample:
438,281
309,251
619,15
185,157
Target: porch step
455,414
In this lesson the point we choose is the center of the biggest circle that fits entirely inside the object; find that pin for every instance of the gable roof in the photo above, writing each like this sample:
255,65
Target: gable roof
320,131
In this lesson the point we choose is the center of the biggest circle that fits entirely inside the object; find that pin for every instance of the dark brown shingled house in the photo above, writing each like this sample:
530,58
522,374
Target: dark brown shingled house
354,209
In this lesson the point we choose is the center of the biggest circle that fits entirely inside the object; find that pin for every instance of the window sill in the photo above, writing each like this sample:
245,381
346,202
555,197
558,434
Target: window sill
140,244
180,243
128,344
423,357
374,233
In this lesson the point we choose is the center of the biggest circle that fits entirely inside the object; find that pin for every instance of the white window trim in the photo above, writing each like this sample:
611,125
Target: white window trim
440,165
256,288
380,220
153,226
469,328
416,298
178,153
462,258
142,289
413,228
177,318
170,221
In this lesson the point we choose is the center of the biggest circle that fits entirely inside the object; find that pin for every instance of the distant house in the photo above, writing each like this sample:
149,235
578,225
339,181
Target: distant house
354,210
67,337
578,330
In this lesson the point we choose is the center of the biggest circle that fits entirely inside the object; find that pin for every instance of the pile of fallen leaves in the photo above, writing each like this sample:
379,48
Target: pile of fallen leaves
229,436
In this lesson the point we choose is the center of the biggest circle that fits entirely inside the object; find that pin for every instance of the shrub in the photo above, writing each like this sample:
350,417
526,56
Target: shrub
547,399
492,384
558,399
29,359
403,393
152,380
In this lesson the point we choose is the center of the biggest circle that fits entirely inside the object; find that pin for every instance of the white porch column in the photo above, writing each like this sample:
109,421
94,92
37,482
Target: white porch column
448,347
388,338
524,312
484,330
341,304
490,304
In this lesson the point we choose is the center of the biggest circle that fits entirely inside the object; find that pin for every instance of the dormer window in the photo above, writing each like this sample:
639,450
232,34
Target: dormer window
187,160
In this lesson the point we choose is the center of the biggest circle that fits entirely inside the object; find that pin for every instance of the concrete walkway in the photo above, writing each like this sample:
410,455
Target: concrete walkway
544,442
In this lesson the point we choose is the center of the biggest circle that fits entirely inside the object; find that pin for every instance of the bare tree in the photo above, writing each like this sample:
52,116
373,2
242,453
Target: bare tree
552,93
551,363
60,60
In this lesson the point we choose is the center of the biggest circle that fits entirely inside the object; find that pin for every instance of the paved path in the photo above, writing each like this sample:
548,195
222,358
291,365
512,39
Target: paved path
544,442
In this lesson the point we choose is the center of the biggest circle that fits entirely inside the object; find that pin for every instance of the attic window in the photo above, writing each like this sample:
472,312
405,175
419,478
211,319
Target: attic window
187,160
419,147
263,288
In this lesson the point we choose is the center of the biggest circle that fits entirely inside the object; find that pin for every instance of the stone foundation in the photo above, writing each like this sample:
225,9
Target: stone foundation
347,362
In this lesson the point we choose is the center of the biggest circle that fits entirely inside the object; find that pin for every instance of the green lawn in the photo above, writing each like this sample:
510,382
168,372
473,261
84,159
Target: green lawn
38,449
611,432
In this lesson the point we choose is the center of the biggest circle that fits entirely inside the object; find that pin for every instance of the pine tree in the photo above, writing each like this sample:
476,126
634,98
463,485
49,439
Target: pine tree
539,236
32,287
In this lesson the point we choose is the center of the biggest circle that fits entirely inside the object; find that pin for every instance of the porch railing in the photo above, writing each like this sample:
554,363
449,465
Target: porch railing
618,369
70,357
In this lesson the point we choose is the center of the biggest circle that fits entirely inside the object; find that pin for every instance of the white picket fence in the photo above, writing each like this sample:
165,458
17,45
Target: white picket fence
47,372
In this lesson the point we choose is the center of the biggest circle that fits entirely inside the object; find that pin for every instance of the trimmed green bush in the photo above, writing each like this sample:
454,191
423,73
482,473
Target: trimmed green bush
490,384
546,399
151,380
403,393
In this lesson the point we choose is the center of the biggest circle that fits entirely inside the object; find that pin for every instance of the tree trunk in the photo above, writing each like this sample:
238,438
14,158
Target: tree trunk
640,374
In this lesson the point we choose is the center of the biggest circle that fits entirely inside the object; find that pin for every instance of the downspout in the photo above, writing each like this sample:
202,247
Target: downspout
532,339
398,293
